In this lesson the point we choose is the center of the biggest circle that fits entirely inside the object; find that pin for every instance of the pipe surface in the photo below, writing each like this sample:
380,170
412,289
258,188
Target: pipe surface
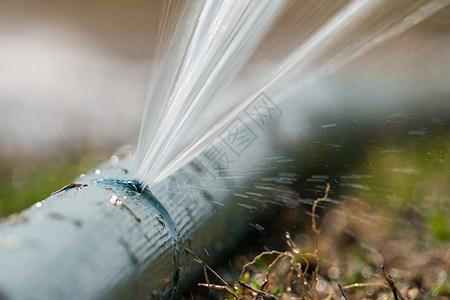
103,238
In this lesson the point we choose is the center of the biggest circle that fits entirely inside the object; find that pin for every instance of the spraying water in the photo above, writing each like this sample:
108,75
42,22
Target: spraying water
214,69
210,48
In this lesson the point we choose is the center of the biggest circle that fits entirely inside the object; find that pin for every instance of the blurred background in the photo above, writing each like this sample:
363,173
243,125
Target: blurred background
73,81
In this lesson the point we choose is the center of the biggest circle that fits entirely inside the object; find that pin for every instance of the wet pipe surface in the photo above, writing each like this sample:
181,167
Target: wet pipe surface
164,218
97,236
102,236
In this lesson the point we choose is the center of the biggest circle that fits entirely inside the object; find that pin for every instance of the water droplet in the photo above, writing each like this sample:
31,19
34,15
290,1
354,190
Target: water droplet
288,235
39,204
114,159
97,172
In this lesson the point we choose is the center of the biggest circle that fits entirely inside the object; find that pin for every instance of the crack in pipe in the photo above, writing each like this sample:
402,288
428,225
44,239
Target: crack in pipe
158,206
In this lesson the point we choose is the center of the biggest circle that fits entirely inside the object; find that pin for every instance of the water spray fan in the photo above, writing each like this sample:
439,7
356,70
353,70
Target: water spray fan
226,82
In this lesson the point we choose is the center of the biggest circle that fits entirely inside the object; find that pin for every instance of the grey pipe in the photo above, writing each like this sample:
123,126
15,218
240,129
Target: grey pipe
104,239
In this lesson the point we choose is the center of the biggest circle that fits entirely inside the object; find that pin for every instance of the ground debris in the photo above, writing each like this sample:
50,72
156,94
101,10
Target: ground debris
69,186
345,259
117,202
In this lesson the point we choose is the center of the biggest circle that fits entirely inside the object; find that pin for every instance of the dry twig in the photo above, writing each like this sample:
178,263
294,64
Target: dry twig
69,186
259,293
342,292
313,216
225,286
392,285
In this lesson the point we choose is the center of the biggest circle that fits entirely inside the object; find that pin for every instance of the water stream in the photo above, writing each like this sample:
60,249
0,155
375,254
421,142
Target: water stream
212,69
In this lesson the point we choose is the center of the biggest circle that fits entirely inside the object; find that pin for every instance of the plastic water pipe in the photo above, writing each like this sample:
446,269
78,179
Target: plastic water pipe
104,238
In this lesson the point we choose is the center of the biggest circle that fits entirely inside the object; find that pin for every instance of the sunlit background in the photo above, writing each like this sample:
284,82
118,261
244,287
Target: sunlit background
73,80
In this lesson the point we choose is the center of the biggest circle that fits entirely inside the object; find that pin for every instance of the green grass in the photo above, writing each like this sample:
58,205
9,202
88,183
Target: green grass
29,183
